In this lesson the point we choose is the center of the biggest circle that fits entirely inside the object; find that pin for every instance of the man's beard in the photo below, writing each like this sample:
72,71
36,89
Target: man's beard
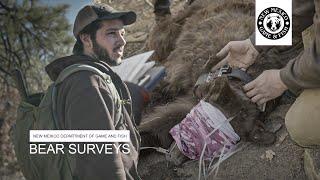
103,55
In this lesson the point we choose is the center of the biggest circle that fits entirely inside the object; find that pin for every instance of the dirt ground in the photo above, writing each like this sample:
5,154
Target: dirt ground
252,162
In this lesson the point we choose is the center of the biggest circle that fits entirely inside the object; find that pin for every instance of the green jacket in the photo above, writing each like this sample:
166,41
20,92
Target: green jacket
85,102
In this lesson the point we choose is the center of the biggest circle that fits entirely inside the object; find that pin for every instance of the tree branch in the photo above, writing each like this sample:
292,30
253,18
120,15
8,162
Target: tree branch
4,42
4,71
23,47
5,7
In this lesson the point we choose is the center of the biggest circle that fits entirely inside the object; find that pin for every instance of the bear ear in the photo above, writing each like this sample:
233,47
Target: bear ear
278,17
268,17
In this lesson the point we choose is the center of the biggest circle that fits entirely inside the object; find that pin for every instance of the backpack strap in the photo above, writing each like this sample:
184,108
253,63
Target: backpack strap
119,84
122,89
62,76
80,67
67,72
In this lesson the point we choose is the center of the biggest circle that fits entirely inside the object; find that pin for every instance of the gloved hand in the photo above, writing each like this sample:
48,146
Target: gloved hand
265,87
239,54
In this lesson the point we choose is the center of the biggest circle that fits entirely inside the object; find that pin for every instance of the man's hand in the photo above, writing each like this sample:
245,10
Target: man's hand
240,54
265,87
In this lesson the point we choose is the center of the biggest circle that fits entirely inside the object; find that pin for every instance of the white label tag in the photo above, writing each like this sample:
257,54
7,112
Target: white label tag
79,136
273,22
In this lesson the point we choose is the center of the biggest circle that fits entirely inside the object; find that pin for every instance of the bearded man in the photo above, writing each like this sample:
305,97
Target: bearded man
87,101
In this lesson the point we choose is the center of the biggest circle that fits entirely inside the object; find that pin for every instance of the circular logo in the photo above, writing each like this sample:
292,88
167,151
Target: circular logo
273,23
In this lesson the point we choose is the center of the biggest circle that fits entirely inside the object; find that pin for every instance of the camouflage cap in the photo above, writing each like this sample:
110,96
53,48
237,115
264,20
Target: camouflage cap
91,13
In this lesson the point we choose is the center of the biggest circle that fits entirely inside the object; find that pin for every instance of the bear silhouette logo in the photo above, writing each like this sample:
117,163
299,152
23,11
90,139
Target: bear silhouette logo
273,23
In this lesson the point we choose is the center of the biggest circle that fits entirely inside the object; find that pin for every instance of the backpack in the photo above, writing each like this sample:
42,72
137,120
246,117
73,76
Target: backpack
42,116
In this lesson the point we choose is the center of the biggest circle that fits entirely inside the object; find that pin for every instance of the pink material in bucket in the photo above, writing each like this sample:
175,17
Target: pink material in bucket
205,124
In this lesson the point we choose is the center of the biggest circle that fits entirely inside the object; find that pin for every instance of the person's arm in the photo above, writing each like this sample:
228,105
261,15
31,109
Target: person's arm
242,54
302,14
91,107
303,72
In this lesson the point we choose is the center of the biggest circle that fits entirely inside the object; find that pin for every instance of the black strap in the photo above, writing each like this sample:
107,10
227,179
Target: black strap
240,74
119,84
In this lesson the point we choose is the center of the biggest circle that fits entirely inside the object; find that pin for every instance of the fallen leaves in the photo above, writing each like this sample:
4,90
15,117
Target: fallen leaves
269,155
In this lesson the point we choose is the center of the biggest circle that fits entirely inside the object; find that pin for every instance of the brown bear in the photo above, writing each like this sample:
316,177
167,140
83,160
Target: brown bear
186,44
